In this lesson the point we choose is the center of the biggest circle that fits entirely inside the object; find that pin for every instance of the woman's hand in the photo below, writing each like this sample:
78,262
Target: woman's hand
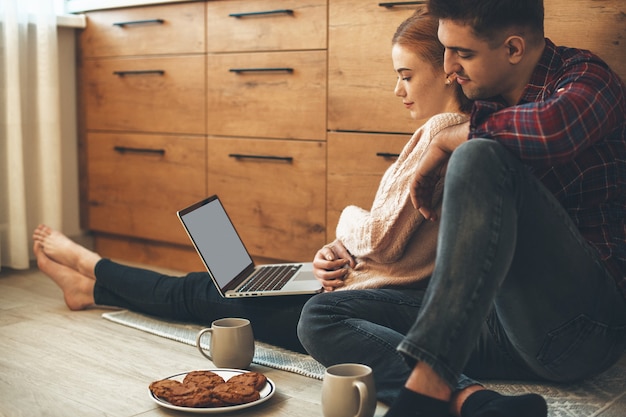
330,265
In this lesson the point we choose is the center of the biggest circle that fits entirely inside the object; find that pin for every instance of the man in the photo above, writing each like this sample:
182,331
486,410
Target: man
532,238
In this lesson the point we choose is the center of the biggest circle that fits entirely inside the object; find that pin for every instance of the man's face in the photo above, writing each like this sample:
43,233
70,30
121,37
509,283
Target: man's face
482,69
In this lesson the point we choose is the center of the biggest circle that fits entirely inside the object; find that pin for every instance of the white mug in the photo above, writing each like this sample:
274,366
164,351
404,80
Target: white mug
348,391
232,343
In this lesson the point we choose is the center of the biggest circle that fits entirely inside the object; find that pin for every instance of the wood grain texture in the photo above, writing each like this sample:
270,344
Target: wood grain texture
179,30
303,27
55,362
597,25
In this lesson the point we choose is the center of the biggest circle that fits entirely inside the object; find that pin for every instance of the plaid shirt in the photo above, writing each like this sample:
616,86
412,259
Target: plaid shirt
570,129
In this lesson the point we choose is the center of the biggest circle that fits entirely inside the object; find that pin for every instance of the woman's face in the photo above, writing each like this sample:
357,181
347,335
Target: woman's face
422,88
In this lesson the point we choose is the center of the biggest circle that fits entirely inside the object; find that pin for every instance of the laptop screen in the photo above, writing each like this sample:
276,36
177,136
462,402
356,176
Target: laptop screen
216,239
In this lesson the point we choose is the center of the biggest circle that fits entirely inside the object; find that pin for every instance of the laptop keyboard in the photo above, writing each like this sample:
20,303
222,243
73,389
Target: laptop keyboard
270,278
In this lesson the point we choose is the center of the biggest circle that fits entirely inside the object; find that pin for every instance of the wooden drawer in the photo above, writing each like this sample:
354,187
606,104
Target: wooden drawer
266,25
168,96
166,29
599,26
361,77
274,191
356,164
138,182
272,95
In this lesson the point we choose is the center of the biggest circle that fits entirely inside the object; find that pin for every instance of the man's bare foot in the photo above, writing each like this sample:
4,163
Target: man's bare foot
64,251
77,288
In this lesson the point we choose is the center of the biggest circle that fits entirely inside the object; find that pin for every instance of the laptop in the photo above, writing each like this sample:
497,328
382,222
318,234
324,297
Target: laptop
229,263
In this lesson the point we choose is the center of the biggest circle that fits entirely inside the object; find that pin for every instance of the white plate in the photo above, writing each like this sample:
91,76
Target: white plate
266,393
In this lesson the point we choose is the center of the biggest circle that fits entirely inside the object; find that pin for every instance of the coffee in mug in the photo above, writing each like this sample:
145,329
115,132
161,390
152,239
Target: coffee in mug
348,391
232,343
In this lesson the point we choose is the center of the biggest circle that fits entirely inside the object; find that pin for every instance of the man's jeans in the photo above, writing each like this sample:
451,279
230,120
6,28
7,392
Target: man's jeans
517,293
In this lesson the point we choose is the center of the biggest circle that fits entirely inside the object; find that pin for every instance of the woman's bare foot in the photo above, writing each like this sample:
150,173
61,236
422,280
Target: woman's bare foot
64,251
77,288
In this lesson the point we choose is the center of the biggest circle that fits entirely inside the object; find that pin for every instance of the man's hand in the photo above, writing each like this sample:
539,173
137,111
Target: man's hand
330,265
431,167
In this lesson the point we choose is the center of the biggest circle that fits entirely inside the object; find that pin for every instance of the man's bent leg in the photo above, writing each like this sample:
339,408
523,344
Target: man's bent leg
498,223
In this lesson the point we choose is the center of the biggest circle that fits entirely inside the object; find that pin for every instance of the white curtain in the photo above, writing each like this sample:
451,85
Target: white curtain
30,130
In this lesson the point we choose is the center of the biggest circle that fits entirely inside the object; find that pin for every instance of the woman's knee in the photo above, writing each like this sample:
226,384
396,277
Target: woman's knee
322,318
310,320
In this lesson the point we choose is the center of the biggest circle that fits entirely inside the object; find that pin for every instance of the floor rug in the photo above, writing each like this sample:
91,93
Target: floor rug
585,399
264,354
589,398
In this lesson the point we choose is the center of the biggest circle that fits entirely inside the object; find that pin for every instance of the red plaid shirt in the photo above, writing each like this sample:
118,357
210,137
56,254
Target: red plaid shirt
570,129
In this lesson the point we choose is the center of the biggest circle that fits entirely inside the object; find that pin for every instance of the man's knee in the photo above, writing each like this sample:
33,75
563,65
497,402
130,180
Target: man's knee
476,151
477,160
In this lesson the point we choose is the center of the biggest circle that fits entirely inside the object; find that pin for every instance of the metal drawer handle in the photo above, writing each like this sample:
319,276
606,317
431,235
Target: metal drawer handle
389,5
243,70
264,13
288,159
124,149
140,22
387,154
142,72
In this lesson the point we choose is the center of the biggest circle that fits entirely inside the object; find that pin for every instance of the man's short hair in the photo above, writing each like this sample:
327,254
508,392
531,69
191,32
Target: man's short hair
490,18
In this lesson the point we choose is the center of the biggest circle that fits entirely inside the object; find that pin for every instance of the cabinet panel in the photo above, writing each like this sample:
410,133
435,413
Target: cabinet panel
361,77
138,182
164,94
274,191
356,164
168,29
599,26
273,95
266,25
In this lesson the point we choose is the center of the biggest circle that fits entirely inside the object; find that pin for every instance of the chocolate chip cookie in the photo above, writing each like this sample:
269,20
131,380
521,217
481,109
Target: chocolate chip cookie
252,379
236,393
207,379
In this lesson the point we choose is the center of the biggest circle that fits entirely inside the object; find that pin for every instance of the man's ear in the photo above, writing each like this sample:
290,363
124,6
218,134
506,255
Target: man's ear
516,46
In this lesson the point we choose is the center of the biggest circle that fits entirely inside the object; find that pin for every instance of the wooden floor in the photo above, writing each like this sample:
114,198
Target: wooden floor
54,362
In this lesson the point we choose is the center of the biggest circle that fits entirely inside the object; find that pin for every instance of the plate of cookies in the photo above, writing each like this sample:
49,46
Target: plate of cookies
212,390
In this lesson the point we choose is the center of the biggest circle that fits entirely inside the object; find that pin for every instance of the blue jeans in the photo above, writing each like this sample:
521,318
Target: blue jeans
517,293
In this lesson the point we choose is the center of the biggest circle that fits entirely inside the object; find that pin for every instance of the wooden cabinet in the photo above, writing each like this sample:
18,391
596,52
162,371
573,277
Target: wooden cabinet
361,77
150,30
284,108
146,94
143,149
274,191
266,104
269,94
137,182
266,25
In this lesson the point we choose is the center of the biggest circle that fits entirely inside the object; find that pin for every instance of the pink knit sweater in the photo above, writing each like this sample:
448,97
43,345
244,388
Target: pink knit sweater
392,243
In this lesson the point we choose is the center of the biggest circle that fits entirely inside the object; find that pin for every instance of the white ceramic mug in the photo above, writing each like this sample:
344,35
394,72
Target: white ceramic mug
348,391
232,343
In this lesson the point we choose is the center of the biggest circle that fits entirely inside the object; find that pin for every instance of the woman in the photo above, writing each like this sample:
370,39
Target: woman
391,245
385,255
